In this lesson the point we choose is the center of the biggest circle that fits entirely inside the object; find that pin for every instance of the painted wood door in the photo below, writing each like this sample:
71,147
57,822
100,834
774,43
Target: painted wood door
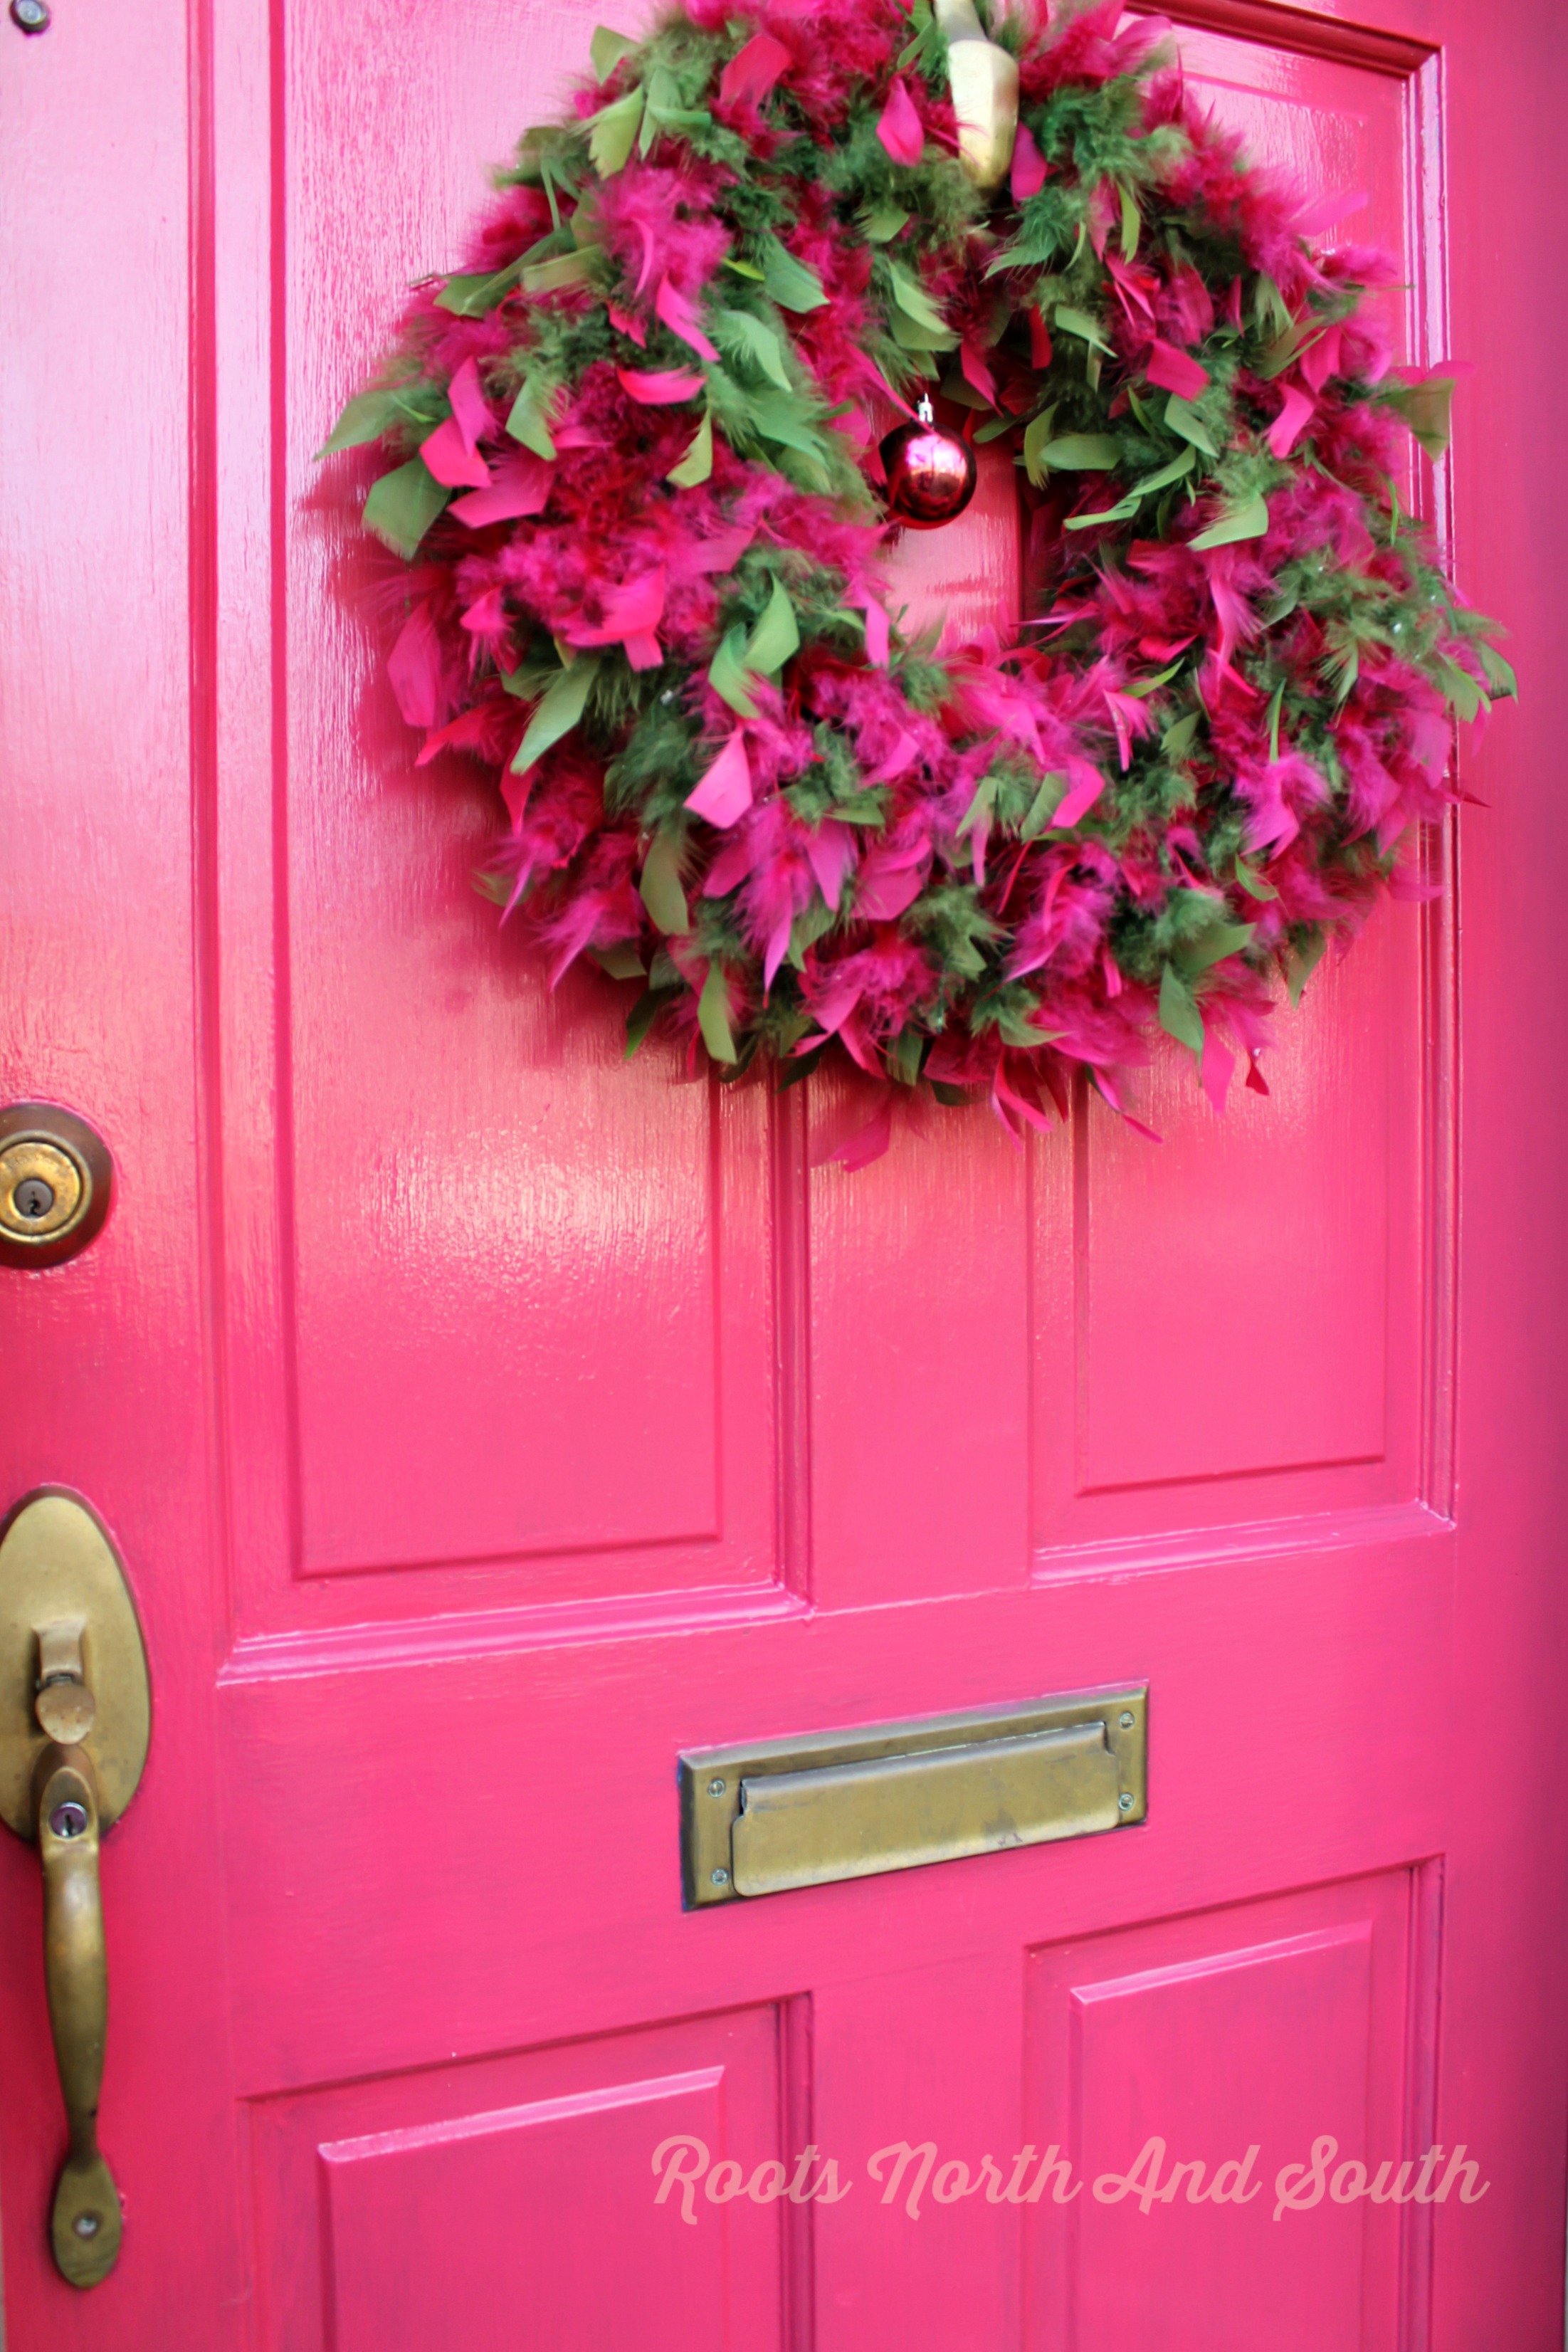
483,1422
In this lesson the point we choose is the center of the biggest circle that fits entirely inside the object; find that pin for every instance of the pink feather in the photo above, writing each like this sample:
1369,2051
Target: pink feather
724,794
1175,371
900,130
753,70
681,318
659,388
453,461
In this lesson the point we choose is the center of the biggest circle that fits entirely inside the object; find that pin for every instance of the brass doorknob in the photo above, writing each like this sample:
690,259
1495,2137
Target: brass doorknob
56,1176
74,1724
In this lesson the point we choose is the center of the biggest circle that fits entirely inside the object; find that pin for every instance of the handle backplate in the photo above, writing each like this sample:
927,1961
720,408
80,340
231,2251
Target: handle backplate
58,1568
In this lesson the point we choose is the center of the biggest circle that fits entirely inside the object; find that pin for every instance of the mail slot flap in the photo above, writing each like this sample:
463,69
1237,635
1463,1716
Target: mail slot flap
851,1820
764,1816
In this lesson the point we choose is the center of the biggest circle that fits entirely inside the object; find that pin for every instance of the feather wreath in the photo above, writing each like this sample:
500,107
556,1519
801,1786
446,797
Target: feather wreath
629,458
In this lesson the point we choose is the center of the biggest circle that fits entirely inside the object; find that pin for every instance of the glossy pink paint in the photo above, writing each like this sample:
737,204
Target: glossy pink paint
483,1421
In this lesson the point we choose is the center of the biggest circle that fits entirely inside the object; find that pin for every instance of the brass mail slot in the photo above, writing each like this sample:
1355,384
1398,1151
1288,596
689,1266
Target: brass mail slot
762,1818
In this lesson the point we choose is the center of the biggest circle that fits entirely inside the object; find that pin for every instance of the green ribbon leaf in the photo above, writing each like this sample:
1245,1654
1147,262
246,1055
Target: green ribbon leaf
1179,1015
1179,738
1461,688
1304,962
1426,409
1162,677
792,286
1242,519
878,223
1183,418
623,962
1210,947
612,133
1036,440
1122,512
713,1015
1270,308
529,421
403,505
1132,224
915,303
607,48
663,111
470,296
909,337
660,884
697,465
980,806
1500,673
1078,322
1288,347
728,676
458,295
643,1014
782,417
1276,703
741,333
1166,474
903,1057
1082,453
565,269
1043,808
776,635
366,418
560,708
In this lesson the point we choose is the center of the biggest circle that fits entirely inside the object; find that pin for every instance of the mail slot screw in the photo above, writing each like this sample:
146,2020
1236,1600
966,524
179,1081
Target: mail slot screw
85,2225
31,15
1127,1722
719,1877
69,1819
1125,1803
715,1788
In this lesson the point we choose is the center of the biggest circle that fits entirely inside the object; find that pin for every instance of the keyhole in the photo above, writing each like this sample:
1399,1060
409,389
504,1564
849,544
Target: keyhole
33,1197
69,1819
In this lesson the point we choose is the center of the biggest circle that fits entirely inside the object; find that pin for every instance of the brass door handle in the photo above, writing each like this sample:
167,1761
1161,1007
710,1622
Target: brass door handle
74,1724
86,2224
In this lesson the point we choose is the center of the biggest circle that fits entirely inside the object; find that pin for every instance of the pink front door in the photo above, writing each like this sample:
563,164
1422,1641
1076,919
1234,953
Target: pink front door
483,1423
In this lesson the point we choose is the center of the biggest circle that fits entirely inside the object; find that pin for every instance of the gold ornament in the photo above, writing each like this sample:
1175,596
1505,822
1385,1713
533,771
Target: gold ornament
984,80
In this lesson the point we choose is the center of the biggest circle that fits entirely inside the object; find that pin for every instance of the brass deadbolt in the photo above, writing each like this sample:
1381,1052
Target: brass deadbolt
54,1180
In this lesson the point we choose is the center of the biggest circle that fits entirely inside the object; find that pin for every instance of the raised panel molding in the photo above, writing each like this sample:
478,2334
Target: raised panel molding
1184,2068
493,2230
512,2202
496,1311
1248,1325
